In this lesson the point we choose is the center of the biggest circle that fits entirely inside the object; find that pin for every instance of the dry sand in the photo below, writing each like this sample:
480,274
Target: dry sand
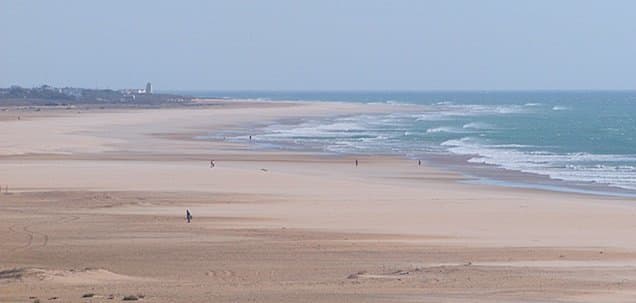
96,207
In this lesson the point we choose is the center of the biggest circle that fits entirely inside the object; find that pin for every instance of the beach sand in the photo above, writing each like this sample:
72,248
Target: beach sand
96,202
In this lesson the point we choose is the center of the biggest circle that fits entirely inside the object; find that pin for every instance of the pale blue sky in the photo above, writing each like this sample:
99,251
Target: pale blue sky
320,45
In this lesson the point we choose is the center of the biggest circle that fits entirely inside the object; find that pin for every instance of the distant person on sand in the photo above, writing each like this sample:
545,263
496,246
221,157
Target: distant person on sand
250,137
212,164
188,215
419,162
356,162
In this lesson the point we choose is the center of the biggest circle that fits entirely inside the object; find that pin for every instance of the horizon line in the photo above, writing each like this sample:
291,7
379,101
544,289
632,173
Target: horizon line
348,90
408,90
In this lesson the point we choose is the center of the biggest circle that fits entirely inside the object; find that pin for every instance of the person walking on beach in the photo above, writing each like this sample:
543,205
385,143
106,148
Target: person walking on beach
188,215
212,164
419,162
356,162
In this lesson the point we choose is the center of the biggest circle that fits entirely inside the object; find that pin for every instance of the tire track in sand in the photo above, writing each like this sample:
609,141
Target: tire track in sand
29,241
41,238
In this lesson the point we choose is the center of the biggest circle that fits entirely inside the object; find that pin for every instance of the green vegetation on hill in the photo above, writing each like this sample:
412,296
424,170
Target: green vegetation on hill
46,95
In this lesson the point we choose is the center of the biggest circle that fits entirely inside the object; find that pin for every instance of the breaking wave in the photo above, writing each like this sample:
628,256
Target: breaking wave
605,169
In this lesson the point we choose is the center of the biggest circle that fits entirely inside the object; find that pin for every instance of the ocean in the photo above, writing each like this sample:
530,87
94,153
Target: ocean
582,141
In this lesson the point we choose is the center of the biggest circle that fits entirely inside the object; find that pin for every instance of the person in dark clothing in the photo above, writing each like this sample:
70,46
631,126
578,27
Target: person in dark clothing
188,215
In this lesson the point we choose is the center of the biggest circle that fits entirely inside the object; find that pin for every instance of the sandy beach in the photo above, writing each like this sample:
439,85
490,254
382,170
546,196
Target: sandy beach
96,200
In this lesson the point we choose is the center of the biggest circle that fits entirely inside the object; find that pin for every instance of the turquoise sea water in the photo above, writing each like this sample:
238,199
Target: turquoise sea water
586,138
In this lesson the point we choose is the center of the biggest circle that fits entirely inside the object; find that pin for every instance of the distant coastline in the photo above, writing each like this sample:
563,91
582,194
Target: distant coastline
47,95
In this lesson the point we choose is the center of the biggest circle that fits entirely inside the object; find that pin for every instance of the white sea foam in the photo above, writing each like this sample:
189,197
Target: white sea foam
341,126
578,167
478,125
432,117
444,129
558,107
401,133
478,109
450,111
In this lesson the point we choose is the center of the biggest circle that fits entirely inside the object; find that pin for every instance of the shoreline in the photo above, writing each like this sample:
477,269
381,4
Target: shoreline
474,173
486,174
493,175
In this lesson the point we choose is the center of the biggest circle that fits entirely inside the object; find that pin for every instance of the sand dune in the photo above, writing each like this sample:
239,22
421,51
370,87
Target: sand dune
85,276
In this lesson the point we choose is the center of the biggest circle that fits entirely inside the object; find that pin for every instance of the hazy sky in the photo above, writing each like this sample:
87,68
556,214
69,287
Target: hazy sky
305,45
